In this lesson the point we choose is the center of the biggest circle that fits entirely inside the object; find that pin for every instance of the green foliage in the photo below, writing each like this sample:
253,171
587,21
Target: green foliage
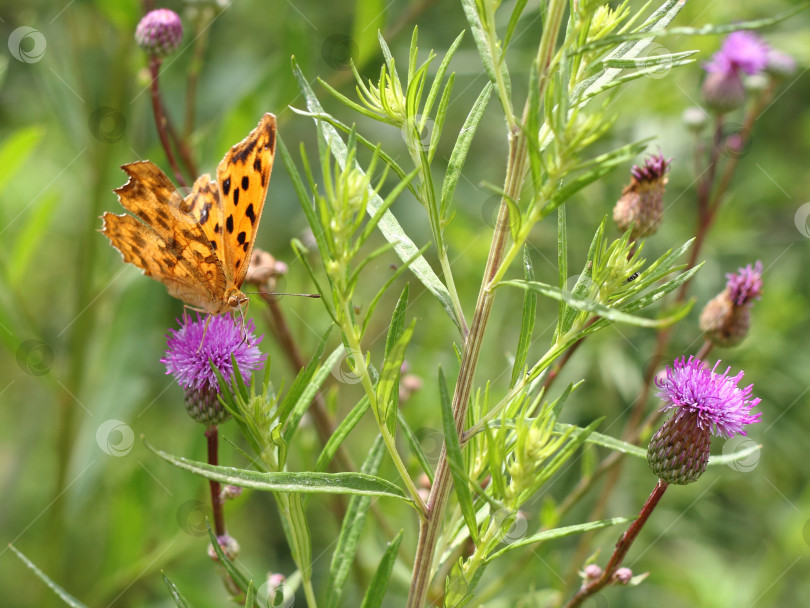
388,199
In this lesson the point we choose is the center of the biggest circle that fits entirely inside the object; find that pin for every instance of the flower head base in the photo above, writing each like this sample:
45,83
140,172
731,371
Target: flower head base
707,403
741,51
197,344
160,32
726,319
642,202
718,404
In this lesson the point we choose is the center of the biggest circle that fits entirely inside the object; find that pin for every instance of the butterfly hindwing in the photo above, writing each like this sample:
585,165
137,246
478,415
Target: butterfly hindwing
168,242
243,176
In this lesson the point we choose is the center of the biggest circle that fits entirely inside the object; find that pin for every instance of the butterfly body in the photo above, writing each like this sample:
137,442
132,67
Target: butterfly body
199,246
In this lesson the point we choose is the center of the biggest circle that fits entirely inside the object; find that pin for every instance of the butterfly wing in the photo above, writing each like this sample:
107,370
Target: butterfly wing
243,176
167,243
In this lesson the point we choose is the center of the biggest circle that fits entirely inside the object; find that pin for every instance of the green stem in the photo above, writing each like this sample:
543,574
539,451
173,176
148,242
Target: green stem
351,332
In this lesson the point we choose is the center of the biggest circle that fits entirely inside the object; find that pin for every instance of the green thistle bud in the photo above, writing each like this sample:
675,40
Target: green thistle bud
726,319
679,451
202,405
160,32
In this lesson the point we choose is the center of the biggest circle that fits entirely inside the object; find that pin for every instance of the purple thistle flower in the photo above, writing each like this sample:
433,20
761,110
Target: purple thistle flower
188,354
741,51
715,400
745,285
160,32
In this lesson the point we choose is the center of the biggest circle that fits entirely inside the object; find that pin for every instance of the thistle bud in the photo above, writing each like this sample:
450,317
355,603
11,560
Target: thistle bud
726,319
723,91
160,32
204,407
780,65
642,202
742,52
679,451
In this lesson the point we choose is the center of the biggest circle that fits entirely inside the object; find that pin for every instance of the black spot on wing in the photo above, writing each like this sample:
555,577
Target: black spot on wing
240,238
139,240
241,154
245,183
271,140
226,186
217,228
251,215
213,245
245,247
257,164
229,224
236,196
238,263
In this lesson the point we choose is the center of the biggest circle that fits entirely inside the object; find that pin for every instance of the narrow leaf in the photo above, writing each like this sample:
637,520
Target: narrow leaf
350,530
63,595
177,596
379,582
527,322
340,433
287,481
456,460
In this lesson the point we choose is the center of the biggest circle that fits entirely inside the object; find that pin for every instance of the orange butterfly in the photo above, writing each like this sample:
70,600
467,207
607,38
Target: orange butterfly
198,246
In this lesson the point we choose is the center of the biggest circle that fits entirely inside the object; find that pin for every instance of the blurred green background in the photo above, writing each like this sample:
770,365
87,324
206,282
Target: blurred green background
82,334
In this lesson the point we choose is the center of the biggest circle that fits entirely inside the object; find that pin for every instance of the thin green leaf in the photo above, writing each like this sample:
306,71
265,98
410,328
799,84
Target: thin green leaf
287,481
379,582
456,460
645,62
388,384
559,533
339,435
562,262
389,226
235,573
63,595
441,114
611,314
513,21
437,79
301,381
350,530
413,441
736,456
462,147
250,595
527,322
177,596
30,238
481,41
606,441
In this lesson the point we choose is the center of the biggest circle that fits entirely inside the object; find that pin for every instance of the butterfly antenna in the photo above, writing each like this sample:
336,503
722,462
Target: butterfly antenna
284,293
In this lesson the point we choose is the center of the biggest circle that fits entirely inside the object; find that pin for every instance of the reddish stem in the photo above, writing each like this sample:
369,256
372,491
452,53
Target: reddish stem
160,119
622,547
212,435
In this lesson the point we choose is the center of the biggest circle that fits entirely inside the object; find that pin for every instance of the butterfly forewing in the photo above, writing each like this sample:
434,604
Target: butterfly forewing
243,176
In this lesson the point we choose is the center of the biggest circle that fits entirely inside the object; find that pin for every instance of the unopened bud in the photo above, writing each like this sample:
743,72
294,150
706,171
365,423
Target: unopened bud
642,202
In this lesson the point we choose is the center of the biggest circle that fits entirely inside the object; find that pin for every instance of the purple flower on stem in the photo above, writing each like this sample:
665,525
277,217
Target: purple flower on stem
746,284
706,403
717,402
741,51
193,347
